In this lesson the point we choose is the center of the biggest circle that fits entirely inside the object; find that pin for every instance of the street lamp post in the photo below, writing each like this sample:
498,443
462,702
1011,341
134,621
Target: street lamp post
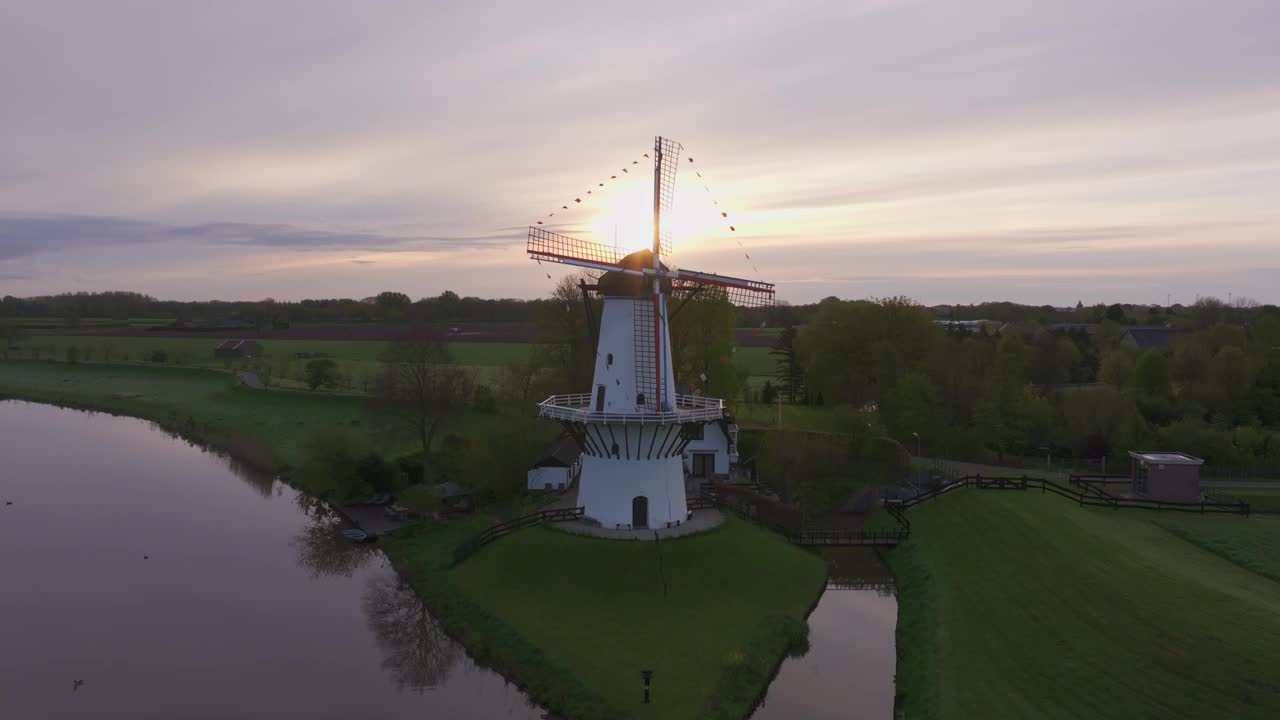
918,451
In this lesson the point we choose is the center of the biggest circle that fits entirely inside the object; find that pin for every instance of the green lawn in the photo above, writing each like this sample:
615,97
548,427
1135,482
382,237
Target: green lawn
359,358
1264,500
1022,605
280,418
597,606
1253,544
757,361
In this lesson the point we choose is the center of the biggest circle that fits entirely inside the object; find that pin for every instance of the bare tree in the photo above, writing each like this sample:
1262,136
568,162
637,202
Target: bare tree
418,387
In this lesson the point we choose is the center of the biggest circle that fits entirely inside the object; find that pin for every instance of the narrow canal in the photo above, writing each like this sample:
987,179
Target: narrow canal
847,673
141,577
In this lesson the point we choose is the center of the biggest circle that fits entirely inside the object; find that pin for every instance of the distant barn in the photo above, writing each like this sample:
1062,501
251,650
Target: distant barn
232,349
1151,338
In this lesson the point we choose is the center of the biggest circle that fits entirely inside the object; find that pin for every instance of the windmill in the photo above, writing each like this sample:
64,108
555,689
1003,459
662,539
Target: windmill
632,427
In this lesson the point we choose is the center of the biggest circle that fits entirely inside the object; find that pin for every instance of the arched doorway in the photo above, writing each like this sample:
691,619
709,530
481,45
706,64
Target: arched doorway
639,512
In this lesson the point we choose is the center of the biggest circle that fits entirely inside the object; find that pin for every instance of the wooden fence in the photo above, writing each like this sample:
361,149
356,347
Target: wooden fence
1084,490
466,549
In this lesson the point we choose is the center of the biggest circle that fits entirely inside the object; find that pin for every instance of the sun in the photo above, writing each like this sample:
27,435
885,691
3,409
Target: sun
625,218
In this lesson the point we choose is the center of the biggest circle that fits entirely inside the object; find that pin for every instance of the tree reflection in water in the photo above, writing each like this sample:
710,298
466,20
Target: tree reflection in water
416,650
322,550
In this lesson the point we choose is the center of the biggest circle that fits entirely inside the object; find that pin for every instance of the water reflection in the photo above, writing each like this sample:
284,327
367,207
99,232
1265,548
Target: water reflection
847,671
157,576
415,649
322,550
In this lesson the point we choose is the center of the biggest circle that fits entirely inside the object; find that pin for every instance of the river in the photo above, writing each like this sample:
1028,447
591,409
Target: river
142,577
847,672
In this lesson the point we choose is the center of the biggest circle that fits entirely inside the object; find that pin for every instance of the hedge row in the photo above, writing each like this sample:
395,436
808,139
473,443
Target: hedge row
746,675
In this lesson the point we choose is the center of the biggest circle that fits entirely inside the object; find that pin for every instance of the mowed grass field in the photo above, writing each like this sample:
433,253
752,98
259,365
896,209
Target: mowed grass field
1264,500
357,357
597,606
280,419
1021,605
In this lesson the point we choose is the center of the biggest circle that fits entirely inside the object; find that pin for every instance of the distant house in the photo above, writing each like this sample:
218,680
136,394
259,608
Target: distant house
969,327
1170,476
238,349
713,451
558,468
1151,338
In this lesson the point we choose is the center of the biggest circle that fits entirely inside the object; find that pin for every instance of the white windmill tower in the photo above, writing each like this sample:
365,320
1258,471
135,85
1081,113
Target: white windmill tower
632,426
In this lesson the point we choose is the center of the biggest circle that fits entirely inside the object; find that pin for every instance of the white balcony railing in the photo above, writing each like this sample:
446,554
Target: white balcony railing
577,408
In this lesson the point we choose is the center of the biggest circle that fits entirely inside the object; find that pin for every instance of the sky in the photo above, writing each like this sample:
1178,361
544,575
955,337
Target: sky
951,152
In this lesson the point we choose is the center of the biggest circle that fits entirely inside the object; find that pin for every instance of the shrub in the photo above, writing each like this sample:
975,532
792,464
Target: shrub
419,499
484,399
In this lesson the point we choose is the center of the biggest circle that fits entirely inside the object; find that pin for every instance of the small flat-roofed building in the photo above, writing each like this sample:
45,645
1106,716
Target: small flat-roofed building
1169,476
558,468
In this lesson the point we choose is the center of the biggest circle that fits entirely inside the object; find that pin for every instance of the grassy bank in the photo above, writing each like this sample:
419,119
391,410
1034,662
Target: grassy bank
201,403
1252,544
598,608
1021,605
207,404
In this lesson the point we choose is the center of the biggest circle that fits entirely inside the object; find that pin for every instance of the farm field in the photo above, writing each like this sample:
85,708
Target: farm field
357,358
205,401
1021,605
720,586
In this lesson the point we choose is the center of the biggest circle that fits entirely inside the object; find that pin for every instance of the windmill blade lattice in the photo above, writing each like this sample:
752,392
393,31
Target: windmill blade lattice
666,160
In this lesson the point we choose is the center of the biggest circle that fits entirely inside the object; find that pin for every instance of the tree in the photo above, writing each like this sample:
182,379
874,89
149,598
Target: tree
788,372
1117,369
1115,313
418,387
1151,374
914,408
321,372
567,334
702,347
390,305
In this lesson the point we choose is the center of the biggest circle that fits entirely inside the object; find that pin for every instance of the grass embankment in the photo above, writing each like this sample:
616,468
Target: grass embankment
202,404
1252,544
1021,605
735,599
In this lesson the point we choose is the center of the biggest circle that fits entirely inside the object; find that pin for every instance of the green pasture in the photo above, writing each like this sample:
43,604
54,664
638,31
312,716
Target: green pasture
597,607
1022,605
205,402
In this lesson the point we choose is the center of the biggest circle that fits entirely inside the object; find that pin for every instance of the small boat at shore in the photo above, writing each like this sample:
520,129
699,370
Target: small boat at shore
357,535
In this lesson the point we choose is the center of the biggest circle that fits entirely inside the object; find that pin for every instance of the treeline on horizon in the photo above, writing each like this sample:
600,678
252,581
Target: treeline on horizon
449,307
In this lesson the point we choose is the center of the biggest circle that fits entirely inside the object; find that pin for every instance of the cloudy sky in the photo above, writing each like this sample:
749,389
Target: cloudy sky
951,151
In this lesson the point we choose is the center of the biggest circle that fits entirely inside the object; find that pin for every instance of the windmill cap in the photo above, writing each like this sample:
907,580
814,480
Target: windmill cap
616,284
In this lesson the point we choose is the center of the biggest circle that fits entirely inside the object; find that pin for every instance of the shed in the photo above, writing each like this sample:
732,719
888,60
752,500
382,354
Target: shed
558,467
1168,476
238,349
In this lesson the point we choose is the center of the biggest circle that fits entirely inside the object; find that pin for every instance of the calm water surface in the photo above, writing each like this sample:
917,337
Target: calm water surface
176,585
847,674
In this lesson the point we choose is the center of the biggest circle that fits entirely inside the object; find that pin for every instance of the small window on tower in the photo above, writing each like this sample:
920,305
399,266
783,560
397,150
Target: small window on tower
639,398
609,360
